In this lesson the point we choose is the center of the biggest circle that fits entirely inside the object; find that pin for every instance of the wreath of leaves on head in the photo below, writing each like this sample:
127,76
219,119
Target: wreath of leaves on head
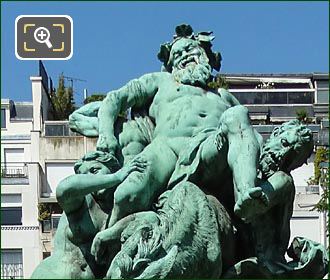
204,39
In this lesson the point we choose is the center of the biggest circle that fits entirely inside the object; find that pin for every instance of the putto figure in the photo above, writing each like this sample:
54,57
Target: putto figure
194,192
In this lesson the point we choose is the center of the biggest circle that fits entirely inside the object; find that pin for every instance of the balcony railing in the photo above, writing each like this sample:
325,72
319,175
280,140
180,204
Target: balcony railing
11,271
14,170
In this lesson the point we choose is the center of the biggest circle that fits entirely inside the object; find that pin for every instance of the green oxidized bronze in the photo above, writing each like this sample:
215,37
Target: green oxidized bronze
184,188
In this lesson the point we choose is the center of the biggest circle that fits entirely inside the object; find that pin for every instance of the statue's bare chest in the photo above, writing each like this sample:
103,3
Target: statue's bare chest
178,97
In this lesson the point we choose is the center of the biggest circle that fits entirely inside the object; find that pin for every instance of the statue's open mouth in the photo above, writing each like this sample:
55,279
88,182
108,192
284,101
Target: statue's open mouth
190,60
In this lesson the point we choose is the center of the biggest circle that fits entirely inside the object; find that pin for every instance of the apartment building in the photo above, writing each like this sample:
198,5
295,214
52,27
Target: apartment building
21,126
37,152
19,197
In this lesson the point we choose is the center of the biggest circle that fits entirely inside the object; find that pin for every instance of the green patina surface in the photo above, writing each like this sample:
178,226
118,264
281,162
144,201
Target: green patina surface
185,187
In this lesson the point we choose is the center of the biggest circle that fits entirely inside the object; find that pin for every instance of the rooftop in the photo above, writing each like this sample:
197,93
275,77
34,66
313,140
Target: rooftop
281,75
19,110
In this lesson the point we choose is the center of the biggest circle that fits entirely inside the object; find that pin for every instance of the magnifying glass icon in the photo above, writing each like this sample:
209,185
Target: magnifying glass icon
41,35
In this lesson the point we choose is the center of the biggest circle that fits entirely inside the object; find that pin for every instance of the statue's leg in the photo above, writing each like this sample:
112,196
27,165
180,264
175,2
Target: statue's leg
139,190
49,269
243,155
272,238
135,136
64,265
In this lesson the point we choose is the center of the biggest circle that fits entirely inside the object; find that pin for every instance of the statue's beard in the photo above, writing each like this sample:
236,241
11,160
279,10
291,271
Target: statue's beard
270,162
193,74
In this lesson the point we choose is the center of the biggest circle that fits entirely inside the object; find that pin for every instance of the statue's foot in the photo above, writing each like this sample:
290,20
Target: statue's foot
252,203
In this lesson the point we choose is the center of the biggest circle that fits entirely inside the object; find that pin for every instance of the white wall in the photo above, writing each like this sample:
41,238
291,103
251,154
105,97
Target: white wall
304,221
61,148
56,172
302,174
28,240
308,227
17,128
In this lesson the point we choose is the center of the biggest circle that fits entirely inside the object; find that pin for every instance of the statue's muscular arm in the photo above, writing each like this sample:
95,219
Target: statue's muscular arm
137,92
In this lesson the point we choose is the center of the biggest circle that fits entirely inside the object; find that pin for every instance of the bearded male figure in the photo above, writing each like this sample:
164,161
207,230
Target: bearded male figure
184,111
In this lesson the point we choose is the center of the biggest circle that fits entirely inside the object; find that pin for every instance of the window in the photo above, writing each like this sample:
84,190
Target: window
46,226
11,216
274,97
300,98
3,118
13,165
323,96
51,224
55,221
11,199
14,155
11,264
277,98
251,97
323,84
59,129
11,209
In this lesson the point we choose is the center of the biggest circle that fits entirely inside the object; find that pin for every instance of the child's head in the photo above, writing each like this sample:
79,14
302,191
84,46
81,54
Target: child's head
96,162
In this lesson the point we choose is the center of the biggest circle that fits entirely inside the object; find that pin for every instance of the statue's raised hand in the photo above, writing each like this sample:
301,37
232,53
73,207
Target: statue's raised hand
107,144
137,164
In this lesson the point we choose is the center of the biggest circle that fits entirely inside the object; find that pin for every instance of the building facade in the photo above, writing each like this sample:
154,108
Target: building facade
37,152
19,193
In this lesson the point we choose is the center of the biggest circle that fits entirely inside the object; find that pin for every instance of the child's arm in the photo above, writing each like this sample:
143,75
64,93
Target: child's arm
71,191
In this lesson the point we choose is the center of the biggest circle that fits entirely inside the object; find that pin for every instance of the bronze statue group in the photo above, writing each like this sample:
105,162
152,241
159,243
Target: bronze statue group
185,187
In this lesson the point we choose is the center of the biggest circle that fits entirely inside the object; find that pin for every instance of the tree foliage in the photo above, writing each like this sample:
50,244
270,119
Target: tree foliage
302,116
322,155
94,97
321,176
323,204
218,82
44,212
62,99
